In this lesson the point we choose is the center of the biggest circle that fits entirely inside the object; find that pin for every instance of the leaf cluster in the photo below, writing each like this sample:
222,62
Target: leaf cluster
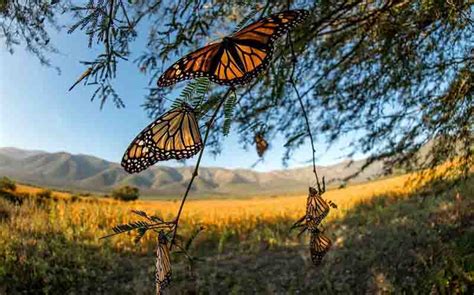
394,76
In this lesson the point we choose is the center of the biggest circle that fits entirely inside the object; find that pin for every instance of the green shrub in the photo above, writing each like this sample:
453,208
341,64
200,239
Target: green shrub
7,184
126,193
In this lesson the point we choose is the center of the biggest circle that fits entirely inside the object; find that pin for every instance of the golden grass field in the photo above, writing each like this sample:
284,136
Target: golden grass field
97,216
226,211
67,230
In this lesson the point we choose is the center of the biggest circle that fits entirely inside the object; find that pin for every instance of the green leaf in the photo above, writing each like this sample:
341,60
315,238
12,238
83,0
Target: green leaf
121,228
141,232
152,218
229,107
201,88
193,93
197,87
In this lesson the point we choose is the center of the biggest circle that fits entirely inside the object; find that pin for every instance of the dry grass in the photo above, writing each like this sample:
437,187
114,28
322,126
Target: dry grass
95,217
32,190
68,228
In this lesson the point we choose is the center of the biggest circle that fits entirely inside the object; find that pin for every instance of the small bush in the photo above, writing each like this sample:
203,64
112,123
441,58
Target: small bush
12,198
126,193
44,194
7,184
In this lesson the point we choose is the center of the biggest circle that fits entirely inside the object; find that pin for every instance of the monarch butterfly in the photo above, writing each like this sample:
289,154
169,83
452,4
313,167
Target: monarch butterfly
261,144
174,135
163,264
318,246
237,58
316,210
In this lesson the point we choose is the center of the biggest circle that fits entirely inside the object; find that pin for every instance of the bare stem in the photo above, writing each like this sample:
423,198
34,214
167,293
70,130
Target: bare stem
293,83
196,168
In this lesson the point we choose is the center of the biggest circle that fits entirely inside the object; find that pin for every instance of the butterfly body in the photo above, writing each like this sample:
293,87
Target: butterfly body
174,135
237,58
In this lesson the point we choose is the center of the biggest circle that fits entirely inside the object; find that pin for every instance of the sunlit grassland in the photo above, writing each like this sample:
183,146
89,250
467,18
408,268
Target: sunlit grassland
54,245
91,218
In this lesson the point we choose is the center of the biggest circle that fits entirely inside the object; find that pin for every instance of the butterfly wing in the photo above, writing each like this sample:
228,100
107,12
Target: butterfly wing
174,135
319,246
238,58
193,65
261,144
251,48
163,264
266,30
316,209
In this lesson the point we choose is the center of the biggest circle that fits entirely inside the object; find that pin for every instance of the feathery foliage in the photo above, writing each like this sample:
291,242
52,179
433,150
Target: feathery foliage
151,218
29,23
229,107
140,226
122,228
193,93
393,75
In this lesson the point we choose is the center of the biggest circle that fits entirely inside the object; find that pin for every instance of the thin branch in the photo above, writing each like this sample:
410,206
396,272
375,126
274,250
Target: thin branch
196,168
126,15
293,83
107,35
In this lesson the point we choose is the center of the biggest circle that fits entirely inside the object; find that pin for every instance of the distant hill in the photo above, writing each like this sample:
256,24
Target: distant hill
84,172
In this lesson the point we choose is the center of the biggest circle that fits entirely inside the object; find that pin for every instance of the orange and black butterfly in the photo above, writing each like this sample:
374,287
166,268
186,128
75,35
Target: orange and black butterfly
316,210
237,58
163,264
318,246
261,144
174,135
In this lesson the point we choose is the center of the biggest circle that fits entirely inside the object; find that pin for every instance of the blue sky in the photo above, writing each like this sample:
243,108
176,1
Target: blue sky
37,111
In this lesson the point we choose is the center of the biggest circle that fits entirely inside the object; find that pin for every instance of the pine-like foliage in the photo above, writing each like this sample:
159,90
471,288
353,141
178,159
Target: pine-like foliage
392,75
229,107
140,226
122,228
193,93
151,218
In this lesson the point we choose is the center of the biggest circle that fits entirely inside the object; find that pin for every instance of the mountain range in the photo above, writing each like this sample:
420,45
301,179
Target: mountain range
89,173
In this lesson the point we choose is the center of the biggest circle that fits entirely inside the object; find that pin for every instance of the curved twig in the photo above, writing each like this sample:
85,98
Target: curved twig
196,168
300,99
